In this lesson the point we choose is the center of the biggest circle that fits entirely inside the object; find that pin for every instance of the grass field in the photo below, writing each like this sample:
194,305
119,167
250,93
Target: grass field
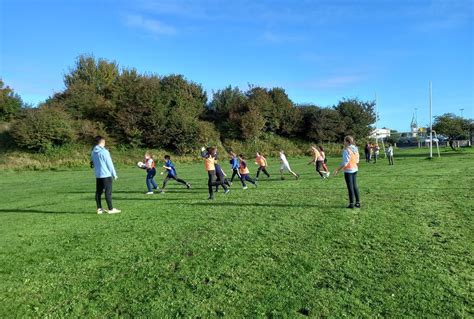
287,249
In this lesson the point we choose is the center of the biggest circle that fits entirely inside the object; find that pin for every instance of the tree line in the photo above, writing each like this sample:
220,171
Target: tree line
171,112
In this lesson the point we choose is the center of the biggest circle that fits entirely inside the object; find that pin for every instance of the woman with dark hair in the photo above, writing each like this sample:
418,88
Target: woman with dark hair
350,159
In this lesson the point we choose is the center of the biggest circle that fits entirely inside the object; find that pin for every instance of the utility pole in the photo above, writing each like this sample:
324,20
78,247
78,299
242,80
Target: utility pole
431,124
376,120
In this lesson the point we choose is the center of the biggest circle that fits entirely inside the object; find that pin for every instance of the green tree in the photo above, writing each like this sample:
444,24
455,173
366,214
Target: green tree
100,75
284,113
260,100
357,116
90,89
139,113
184,103
454,127
225,109
321,124
10,102
252,124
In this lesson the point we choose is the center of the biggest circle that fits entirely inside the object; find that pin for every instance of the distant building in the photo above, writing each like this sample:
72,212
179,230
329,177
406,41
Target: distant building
380,133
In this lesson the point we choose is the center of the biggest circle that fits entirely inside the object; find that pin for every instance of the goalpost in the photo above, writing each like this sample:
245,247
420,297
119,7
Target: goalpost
431,127
377,126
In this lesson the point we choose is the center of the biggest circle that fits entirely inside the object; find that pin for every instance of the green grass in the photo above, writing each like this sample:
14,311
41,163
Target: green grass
286,249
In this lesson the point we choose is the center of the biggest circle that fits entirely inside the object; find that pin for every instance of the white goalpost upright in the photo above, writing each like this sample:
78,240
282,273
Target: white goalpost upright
431,125
377,125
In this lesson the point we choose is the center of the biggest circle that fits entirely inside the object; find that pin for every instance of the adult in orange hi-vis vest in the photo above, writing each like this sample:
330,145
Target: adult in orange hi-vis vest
209,156
350,160
261,161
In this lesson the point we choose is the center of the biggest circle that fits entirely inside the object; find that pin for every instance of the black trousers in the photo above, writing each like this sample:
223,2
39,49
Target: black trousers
221,178
235,172
353,190
319,164
102,184
367,157
212,181
167,179
262,169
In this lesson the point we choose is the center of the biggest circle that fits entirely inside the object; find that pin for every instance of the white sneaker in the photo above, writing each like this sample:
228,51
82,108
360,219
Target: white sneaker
149,193
100,211
245,187
114,211
327,174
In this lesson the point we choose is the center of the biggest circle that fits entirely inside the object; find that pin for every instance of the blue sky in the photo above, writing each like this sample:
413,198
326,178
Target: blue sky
318,51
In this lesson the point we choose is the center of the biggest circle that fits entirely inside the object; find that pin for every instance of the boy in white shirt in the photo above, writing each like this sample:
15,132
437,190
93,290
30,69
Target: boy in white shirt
285,166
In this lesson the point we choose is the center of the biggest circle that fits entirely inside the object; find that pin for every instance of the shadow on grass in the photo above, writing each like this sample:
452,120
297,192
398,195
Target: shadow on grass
141,192
38,211
156,197
206,202
435,154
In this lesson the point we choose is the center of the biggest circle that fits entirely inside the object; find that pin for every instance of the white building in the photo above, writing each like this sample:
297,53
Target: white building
380,133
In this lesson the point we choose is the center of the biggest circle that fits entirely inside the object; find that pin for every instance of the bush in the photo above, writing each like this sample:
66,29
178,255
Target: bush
209,135
42,128
88,130
6,140
268,144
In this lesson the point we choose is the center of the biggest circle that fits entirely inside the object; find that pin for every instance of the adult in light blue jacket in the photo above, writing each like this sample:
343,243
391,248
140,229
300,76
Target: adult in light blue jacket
104,173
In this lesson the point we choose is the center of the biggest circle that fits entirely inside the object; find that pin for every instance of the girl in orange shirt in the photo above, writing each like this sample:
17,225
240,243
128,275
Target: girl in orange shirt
244,172
262,165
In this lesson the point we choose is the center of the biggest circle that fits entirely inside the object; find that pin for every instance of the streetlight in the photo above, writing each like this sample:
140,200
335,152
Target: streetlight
461,111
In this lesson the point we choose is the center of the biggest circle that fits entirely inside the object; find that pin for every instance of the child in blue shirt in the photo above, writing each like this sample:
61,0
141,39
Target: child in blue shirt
171,174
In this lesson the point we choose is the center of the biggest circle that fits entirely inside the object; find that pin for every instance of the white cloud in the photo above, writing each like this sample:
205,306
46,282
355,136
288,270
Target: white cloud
153,26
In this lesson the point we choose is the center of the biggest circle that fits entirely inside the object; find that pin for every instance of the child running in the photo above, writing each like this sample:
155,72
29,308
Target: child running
324,159
262,165
209,155
171,174
316,160
235,164
244,172
285,166
150,173
221,175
